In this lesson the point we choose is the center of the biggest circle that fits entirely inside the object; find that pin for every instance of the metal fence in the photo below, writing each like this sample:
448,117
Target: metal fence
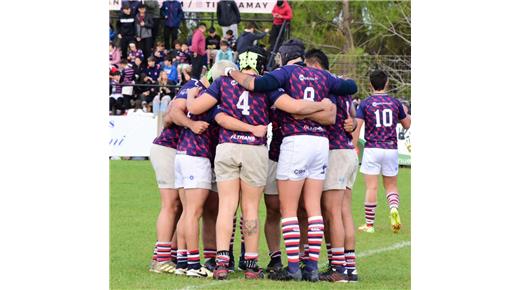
398,68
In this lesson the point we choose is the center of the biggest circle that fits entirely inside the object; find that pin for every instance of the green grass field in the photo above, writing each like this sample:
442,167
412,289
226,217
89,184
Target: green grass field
383,258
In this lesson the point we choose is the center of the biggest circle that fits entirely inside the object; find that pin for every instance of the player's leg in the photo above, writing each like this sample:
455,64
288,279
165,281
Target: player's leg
182,252
304,242
228,192
332,201
250,200
163,160
350,240
371,169
390,169
272,232
195,199
209,237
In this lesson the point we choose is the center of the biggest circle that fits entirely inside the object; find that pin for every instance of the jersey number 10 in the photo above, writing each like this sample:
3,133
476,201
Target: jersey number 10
386,115
243,103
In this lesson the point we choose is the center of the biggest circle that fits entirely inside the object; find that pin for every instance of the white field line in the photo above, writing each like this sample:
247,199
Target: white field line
368,253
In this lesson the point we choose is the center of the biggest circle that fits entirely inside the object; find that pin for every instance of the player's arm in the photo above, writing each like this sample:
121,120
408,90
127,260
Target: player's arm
230,123
266,83
342,87
403,116
201,104
179,117
325,117
350,124
168,120
300,107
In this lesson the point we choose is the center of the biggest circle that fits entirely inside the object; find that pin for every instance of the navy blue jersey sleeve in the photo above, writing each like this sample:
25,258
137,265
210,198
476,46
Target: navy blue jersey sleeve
273,80
272,96
212,113
214,89
333,99
360,113
400,113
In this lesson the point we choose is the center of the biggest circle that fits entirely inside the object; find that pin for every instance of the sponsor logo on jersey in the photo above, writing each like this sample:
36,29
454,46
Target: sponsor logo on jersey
234,83
314,129
243,138
304,78
191,177
375,104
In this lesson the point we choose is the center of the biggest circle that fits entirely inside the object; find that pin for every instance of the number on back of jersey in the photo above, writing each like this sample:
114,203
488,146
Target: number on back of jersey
386,115
243,103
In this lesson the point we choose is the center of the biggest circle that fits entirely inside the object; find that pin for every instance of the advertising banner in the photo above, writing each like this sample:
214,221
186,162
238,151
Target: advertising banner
244,6
131,135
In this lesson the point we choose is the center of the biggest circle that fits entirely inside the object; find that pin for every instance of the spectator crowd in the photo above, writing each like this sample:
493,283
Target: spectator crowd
144,71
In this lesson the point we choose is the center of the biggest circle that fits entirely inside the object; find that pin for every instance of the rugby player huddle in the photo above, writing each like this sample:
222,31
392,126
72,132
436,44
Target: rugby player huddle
212,157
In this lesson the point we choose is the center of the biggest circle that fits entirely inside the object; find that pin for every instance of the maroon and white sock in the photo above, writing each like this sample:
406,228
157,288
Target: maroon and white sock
350,259
291,237
174,255
393,199
193,259
338,258
251,260
315,237
154,257
209,253
329,253
164,251
370,213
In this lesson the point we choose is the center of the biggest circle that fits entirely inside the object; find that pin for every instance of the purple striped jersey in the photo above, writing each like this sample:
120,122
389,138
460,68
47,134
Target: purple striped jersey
304,83
338,137
135,54
128,74
381,113
241,104
277,136
117,88
201,145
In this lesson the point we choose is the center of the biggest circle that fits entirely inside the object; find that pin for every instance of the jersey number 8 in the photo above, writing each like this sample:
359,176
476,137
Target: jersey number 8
243,103
308,94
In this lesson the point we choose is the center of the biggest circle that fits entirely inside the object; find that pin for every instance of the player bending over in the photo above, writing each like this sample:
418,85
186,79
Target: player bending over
303,154
381,112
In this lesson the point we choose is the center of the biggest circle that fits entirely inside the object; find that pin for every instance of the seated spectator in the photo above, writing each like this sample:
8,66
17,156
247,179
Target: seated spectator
114,55
185,76
116,96
184,59
164,96
224,53
134,53
160,52
152,70
230,38
146,94
170,68
249,37
212,45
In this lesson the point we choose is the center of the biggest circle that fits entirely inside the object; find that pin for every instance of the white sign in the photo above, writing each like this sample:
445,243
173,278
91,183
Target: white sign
244,6
132,135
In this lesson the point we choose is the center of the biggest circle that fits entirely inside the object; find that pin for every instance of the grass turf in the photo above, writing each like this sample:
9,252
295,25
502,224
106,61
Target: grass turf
383,258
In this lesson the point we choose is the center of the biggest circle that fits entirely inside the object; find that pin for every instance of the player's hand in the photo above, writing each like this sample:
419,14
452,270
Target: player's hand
326,103
259,130
298,117
194,91
198,127
228,70
348,125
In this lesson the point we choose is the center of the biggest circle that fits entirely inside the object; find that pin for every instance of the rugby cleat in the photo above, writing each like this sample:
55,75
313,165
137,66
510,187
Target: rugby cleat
162,267
395,220
334,276
367,229
221,273
256,273
274,266
210,264
181,271
202,272
310,275
242,264
285,275
352,276
231,267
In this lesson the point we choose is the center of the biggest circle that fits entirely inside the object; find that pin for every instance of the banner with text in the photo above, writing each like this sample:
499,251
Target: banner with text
131,135
244,6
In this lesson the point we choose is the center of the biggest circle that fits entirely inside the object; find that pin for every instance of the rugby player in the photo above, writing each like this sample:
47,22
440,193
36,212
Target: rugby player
162,156
304,151
381,112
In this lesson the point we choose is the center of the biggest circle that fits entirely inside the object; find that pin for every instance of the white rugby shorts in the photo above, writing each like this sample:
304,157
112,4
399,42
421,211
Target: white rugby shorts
193,172
380,161
303,156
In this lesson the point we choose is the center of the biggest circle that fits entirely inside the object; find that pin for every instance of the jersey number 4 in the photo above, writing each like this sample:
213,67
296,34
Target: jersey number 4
243,103
386,115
